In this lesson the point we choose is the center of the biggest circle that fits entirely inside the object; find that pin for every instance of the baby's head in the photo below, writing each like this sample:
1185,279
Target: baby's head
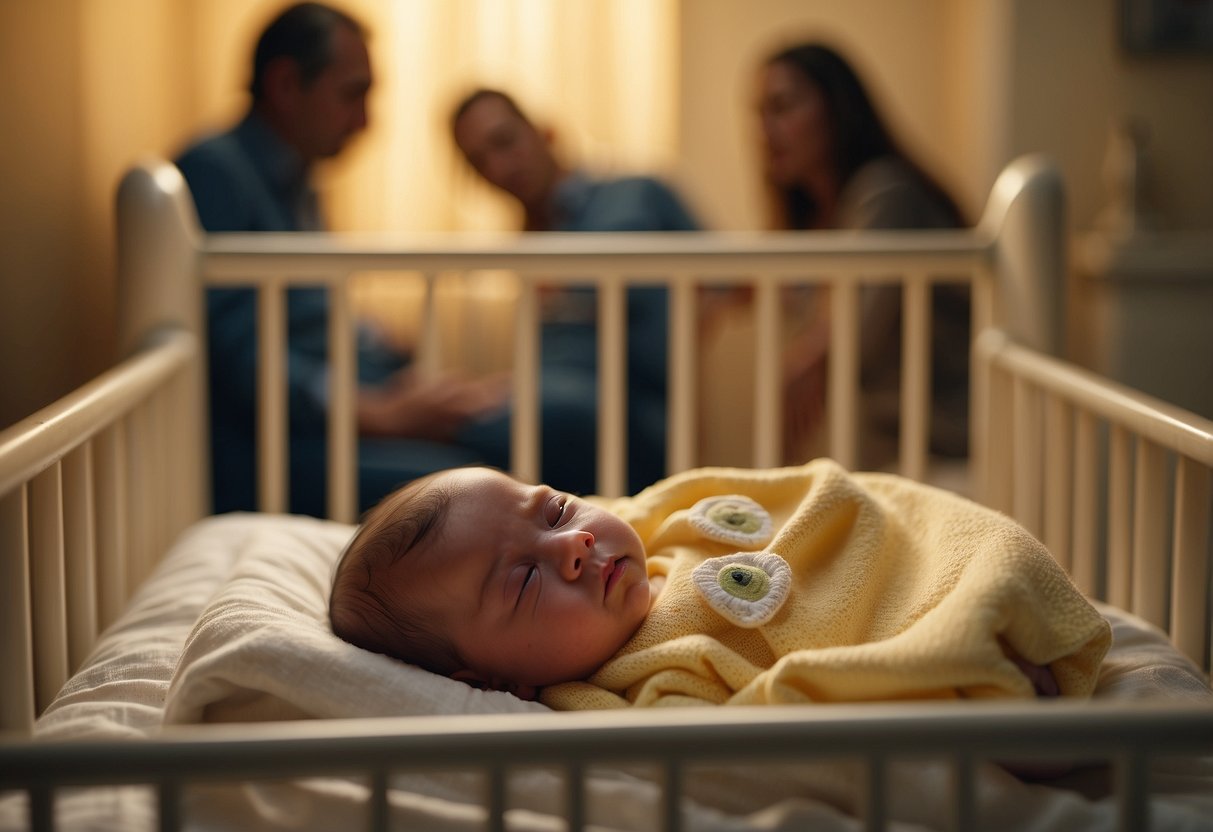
477,576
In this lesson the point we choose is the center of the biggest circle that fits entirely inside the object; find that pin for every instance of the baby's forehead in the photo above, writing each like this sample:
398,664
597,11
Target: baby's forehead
453,499
482,491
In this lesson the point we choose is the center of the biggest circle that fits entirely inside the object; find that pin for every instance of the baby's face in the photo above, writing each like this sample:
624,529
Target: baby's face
533,586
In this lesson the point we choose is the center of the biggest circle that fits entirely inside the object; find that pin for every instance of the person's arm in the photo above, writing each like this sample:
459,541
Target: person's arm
426,408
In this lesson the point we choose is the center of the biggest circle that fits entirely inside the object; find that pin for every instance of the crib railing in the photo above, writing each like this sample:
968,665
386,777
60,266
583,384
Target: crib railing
1114,482
1012,259
872,737
684,263
85,515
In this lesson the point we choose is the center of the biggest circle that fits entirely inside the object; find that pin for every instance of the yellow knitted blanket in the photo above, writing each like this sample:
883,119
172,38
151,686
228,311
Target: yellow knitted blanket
814,584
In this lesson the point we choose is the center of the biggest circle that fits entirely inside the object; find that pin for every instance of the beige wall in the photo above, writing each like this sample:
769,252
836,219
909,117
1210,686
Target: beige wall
87,87
1073,82
38,210
968,84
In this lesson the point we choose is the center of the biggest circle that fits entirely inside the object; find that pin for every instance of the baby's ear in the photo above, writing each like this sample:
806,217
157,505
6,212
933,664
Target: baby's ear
471,677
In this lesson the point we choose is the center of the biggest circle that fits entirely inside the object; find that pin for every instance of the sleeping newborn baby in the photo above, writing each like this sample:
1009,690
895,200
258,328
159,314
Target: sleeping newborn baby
721,586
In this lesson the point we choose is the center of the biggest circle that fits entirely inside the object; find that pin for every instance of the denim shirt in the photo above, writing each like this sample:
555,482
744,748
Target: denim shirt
632,203
247,179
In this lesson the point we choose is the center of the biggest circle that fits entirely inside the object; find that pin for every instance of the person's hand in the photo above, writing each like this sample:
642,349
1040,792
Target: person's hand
717,302
420,407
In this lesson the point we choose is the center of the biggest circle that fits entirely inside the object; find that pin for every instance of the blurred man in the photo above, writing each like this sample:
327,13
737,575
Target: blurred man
513,154
310,77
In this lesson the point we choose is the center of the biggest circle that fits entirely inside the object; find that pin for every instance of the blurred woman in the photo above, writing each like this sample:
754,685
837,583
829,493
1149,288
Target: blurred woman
831,163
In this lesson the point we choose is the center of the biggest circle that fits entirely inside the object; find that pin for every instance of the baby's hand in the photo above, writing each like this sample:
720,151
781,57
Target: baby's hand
1042,679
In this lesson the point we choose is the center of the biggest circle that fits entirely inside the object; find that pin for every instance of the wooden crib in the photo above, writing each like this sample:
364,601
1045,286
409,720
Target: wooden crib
97,487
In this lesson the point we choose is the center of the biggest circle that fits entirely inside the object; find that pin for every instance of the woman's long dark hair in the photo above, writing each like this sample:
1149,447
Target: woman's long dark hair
859,134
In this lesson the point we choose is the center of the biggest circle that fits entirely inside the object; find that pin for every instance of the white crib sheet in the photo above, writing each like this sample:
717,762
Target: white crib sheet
232,627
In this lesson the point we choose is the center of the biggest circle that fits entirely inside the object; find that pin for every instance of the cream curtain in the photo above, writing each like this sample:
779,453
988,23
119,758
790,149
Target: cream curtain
601,73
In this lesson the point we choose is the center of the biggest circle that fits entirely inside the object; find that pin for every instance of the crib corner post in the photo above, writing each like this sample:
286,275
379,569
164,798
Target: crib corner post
1026,220
158,245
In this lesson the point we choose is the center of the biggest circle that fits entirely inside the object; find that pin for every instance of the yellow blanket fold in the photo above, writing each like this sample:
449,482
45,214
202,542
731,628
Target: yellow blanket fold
894,590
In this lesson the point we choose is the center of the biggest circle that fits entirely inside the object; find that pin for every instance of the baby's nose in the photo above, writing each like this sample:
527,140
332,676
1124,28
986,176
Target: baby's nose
573,547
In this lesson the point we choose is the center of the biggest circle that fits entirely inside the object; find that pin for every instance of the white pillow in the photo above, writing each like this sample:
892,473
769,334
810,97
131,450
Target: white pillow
263,648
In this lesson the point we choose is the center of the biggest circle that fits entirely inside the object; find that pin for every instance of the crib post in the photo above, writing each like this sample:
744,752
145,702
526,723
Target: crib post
1026,219
158,286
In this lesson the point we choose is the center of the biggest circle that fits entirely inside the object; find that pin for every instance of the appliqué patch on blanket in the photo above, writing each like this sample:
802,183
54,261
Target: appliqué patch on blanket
746,588
732,519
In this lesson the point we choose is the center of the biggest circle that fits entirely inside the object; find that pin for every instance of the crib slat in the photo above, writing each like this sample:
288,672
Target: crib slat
1027,461
168,804
189,504
378,817
997,474
342,428
965,793
980,409
1133,783
875,786
768,398
612,387
843,381
574,773
1059,480
915,376
1119,518
1084,558
49,597
429,354
112,549
1150,575
80,553
42,809
142,500
496,798
271,399
524,421
671,796
682,432
1190,580
16,618
160,476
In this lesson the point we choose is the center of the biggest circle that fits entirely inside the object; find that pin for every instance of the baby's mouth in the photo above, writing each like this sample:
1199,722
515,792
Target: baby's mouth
614,571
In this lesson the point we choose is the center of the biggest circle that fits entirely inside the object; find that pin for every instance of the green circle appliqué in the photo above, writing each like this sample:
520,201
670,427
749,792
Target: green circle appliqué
733,519
746,588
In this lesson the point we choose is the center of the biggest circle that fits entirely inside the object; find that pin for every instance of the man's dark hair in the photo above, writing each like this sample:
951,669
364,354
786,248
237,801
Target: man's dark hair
304,34
481,94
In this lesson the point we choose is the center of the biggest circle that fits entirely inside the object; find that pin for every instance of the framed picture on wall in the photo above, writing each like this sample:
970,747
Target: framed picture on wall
1157,26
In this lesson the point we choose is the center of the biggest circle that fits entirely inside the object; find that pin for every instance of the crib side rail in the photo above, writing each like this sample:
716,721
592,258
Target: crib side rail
1116,483
685,263
1124,736
1013,259
91,493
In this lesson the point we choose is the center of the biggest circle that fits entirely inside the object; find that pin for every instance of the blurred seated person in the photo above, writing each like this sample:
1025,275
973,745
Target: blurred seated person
310,77
830,162
516,156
